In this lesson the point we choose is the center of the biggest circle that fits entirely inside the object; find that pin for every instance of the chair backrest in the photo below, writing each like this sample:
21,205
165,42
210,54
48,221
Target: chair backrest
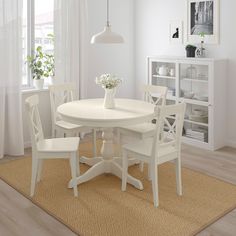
35,125
155,94
59,94
171,119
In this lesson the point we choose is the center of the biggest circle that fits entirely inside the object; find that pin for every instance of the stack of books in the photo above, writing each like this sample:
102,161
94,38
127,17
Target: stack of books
199,134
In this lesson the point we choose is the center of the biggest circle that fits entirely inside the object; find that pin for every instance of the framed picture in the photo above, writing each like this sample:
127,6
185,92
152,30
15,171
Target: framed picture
176,32
203,18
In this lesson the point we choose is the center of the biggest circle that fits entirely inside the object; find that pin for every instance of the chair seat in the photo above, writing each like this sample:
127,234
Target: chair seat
67,125
58,145
144,148
145,129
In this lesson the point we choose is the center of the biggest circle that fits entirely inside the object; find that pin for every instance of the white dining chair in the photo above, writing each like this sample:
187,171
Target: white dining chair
160,148
42,148
153,94
59,94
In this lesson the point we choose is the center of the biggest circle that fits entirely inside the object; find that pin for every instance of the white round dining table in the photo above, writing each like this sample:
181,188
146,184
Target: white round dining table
91,113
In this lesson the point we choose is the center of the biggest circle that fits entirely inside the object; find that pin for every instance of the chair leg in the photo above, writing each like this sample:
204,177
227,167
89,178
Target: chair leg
119,142
154,170
94,142
73,166
34,175
40,167
124,170
178,177
77,164
149,173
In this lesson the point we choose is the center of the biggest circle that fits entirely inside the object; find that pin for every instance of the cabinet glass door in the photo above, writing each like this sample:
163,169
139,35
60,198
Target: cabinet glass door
194,82
164,74
196,125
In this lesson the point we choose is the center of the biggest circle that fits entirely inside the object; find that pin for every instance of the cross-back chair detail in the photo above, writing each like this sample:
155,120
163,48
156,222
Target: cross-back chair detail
155,94
60,94
169,126
34,118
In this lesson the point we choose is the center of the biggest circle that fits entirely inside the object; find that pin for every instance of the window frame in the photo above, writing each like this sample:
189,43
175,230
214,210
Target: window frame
30,42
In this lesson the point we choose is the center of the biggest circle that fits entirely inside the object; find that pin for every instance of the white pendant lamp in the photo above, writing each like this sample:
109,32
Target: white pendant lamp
107,36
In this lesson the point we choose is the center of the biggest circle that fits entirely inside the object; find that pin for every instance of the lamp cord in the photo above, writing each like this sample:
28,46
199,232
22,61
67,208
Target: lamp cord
108,22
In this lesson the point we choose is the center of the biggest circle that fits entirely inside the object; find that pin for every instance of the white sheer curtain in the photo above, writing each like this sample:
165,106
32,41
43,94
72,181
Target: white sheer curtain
11,131
71,43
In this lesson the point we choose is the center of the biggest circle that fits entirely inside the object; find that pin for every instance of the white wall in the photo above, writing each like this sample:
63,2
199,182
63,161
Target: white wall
116,59
152,19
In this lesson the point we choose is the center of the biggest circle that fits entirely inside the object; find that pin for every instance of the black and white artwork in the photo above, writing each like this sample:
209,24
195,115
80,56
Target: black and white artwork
203,18
202,15
176,32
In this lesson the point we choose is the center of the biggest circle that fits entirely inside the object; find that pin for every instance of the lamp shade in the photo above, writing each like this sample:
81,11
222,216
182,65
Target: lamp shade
107,37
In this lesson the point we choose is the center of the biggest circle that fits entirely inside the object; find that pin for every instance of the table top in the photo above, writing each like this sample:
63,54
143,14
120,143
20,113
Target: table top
90,112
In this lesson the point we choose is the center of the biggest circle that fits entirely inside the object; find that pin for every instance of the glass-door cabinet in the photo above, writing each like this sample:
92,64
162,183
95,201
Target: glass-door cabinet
201,84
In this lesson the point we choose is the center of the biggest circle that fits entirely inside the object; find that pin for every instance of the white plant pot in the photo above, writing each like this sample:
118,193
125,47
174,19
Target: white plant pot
38,83
109,99
51,80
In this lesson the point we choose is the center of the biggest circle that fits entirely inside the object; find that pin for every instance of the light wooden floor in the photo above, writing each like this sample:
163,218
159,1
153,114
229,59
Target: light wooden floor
18,216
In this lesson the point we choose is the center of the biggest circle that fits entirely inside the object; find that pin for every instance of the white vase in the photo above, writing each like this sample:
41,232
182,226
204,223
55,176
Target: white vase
109,99
38,83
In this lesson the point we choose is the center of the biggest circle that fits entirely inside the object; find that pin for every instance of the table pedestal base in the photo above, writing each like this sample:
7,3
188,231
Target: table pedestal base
108,167
107,164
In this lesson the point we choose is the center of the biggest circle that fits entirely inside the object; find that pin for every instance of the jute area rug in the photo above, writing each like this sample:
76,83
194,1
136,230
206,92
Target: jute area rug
102,209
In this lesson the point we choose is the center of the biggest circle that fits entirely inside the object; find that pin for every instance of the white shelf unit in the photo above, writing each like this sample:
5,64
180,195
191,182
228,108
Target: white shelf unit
205,79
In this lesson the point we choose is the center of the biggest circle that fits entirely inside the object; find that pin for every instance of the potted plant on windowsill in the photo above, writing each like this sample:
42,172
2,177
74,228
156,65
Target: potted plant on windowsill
42,66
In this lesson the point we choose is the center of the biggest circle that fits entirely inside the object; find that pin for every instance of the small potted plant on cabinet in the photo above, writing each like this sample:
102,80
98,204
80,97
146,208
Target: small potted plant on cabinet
190,50
42,66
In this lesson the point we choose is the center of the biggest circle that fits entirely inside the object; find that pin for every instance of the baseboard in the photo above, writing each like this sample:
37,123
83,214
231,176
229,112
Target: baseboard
231,143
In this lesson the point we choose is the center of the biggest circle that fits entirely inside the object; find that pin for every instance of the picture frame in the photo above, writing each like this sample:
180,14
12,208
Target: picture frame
176,32
203,16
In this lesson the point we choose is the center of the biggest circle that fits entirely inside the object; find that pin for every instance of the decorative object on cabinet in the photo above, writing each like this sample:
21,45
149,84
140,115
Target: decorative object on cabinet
176,32
109,83
201,51
199,82
190,50
163,70
203,16
189,94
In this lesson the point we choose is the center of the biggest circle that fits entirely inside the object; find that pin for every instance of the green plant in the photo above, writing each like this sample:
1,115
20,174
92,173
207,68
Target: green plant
189,46
41,64
202,34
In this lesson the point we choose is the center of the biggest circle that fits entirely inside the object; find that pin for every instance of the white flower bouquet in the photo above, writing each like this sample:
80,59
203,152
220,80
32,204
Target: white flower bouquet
108,81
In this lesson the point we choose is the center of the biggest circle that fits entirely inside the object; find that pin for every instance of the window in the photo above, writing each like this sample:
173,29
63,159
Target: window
38,29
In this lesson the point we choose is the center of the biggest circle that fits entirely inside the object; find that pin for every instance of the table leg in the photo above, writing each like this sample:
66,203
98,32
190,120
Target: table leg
107,149
91,173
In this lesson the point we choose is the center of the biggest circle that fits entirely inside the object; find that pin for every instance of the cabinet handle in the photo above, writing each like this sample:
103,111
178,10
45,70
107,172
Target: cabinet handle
209,105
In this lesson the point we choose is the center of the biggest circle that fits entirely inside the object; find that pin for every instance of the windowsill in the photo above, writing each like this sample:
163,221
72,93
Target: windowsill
33,90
